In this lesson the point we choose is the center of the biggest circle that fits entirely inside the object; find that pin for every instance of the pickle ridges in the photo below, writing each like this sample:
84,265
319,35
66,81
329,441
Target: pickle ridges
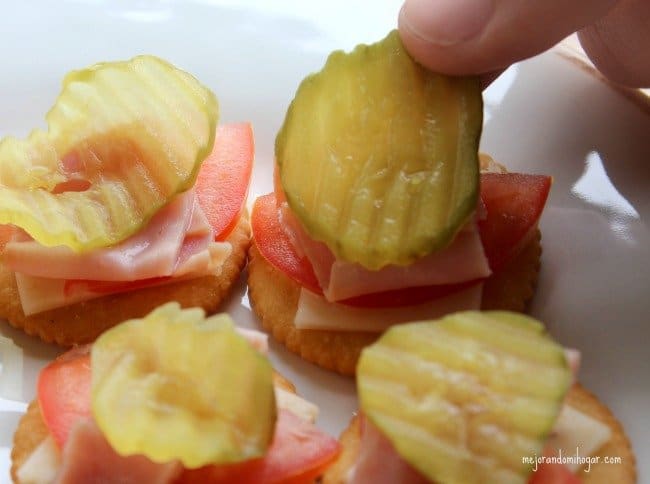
378,157
177,386
134,132
464,398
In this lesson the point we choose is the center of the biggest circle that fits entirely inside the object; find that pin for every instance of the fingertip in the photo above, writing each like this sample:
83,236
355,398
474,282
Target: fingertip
614,43
432,30
445,22
464,37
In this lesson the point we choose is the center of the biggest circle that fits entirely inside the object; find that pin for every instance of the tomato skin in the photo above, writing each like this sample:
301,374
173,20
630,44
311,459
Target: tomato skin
298,454
554,474
223,180
275,246
63,392
514,202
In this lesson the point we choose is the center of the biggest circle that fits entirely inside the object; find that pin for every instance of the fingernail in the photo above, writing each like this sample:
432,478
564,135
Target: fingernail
446,22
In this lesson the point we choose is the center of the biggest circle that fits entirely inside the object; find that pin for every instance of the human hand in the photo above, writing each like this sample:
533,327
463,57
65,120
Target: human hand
486,36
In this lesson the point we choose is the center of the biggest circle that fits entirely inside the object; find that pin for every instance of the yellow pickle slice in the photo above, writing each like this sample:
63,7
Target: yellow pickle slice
378,157
123,139
177,386
463,398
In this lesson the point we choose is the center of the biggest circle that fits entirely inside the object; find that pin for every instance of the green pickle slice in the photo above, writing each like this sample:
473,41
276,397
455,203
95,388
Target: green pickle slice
133,134
465,398
378,157
177,386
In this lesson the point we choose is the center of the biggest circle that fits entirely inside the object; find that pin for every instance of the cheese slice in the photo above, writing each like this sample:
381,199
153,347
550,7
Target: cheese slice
296,404
576,433
42,465
315,312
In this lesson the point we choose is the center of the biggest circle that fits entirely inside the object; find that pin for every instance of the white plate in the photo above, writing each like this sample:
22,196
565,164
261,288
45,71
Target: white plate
543,116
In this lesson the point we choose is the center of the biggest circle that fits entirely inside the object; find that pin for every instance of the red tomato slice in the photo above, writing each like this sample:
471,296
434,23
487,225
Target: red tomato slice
299,453
63,392
514,203
554,474
222,183
274,244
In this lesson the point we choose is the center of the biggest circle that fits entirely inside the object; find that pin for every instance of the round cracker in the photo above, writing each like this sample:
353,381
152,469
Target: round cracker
30,433
617,446
83,322
581,399
32,430
274,298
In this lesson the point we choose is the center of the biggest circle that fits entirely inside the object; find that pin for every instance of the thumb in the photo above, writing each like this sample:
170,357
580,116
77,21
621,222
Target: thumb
479,36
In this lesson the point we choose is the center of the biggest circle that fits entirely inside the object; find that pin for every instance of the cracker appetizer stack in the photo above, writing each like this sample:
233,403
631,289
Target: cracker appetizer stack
381,211
170,398
478,398
133,197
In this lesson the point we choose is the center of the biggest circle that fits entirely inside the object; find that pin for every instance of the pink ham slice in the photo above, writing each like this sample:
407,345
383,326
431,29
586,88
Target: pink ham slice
464,260
375,449
89,459
177,243
152,252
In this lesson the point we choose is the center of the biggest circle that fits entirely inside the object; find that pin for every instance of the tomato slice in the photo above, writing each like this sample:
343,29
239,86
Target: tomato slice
299,453
63,392
274,244
514,203
224,178
554,474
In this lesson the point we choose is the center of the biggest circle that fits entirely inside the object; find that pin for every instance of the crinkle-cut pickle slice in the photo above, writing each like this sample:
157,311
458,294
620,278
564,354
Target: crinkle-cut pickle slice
175,385
464,398
133,133
378,157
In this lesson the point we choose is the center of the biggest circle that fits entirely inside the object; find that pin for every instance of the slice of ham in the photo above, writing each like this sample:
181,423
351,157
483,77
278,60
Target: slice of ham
178,243
88,458
173,234
462,261
378,462
39,294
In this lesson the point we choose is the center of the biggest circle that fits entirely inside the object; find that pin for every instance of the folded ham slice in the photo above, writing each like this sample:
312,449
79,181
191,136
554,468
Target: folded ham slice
464,260
378,462
89,459
177,243
152,252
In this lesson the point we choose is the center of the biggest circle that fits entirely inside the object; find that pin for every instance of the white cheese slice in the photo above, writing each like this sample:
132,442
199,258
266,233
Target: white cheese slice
42,465
295,404
11,370
577,433
315,312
